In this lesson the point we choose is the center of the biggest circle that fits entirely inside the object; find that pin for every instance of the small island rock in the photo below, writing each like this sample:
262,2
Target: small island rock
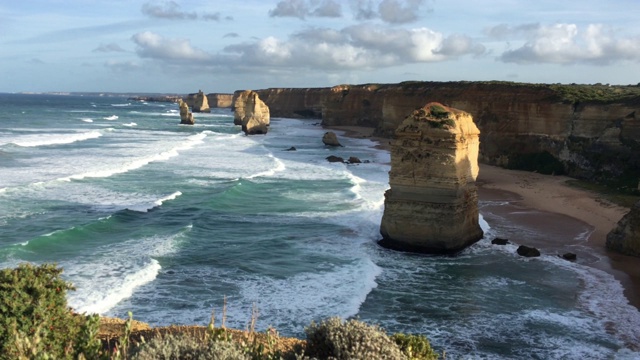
330,139
527,251
186,117
251,112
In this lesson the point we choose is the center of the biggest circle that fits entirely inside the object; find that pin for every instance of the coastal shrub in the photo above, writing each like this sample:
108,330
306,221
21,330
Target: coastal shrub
35,321
173,347
438,112
415,347
350,340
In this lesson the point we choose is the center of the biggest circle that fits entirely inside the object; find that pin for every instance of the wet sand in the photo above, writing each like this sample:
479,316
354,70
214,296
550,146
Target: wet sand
548,203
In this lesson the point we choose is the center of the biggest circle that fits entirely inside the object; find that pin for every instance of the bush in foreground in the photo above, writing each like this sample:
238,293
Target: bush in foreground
35,321
185,347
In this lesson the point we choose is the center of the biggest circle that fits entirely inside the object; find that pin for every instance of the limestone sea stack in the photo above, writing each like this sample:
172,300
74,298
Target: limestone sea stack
432,203
201,103
625,237
186,117
251,112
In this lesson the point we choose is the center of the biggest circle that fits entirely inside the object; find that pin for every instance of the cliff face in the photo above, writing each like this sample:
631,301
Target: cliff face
432,205
220,100
294,102
583,131
625,237
201,103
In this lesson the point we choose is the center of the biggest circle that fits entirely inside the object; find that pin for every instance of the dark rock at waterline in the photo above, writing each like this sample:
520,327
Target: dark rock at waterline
354,160
170,272
499,241
527,251
293,148
330,139
333,158
570,256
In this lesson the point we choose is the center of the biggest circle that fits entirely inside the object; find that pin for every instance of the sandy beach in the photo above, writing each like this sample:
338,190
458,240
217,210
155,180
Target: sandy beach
551,196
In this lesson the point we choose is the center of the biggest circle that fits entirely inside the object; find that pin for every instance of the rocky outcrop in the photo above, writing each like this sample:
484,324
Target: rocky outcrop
251,112
201,103
625,237
432,205
527,251
330,139
186,117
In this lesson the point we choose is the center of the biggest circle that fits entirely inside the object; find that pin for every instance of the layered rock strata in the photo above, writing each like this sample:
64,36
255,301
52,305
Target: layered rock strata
186,117
432,203
625,237
217,100
586,131
251,113
201,103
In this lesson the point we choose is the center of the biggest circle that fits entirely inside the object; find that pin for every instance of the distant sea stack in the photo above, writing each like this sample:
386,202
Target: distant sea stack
251,112
186,117
432,205
625,237
201,103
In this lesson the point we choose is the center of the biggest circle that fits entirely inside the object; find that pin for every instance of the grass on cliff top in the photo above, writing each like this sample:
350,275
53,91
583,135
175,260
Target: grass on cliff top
569,93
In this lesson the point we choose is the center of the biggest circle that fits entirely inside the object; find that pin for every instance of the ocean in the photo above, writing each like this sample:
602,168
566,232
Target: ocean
166,220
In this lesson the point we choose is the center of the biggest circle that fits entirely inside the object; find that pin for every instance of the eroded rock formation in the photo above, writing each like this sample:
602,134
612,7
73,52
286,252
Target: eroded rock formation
201,103
432,205
251,112
186,117
217,100
625,237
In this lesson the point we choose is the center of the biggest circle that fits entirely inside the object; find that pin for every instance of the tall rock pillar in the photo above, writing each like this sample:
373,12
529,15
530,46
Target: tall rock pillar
432,203
251,112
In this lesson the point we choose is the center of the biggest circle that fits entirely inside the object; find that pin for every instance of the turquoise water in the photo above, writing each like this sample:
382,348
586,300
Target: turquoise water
165,220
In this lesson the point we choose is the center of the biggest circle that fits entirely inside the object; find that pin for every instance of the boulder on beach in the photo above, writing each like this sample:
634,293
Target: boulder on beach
252,113
432,203
354,160
570,256
186,117
625,237
331,139
499,241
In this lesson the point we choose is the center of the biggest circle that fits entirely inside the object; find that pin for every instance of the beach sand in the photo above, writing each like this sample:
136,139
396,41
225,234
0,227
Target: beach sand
553,198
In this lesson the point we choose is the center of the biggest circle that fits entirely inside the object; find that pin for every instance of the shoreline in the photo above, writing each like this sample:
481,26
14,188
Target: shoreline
551,196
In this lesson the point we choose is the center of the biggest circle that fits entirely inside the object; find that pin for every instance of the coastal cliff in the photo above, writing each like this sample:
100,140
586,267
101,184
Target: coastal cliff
214,100
251,112
625,237
585,131
432,203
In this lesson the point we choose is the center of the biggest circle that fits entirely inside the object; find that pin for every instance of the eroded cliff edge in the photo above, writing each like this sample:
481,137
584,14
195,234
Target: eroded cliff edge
432,203
585,131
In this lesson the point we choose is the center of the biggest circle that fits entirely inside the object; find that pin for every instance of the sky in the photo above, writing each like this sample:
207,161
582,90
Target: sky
182,46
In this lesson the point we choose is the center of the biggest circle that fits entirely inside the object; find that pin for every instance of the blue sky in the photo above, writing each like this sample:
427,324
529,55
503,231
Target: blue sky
181,46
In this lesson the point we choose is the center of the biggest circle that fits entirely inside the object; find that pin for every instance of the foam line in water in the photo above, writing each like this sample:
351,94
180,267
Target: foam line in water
119,105
112,117
155,204
136,164
130,124
55,139
278,167
89,120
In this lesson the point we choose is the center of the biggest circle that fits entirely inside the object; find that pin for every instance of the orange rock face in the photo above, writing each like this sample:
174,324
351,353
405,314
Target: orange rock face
432,205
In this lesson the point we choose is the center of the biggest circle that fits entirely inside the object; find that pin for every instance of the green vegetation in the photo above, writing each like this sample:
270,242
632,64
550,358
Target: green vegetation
35,323
625,199
438,112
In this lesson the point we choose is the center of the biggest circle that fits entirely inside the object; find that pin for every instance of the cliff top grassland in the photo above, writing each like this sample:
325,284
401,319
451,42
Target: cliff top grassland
567,93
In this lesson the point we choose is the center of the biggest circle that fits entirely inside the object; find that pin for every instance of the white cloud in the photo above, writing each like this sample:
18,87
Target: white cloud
458,45
166,10
399,12
111,47
151,45
568,44
303,8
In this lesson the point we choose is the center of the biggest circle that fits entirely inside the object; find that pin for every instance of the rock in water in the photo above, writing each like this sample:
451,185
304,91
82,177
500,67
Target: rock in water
330,139
625,237
527,251
251,112
186,117
201,103
432,205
